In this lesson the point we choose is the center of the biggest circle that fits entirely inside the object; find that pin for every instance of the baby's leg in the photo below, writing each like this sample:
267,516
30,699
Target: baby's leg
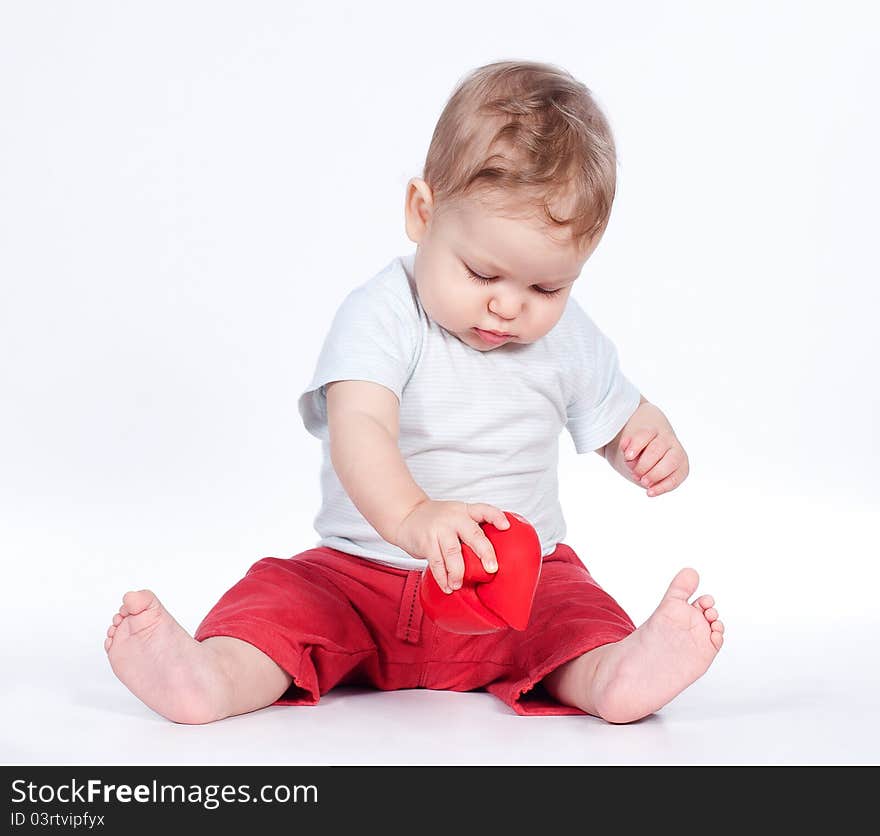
182,679
631,678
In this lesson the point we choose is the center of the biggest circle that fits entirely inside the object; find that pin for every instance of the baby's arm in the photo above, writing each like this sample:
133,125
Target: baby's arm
364,423
613,446
363,419
647,451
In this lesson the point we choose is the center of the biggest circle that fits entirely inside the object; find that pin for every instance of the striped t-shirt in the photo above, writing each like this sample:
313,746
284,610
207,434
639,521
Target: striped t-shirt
474,426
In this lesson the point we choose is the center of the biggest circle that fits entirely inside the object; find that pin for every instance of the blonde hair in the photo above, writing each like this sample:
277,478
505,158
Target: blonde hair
529,133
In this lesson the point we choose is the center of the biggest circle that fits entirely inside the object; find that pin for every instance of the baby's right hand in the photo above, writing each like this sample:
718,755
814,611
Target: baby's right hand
435,531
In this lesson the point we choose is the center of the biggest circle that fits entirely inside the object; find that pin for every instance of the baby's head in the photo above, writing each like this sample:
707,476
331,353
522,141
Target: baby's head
516,194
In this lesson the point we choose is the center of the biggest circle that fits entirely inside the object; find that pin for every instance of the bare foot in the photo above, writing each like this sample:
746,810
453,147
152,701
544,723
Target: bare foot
162,665
672,649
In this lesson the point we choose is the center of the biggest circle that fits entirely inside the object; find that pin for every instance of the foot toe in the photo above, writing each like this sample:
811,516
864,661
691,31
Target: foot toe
107,643
717,627
117,620
684,584
716,638
111,630
711,614
706,601
136,602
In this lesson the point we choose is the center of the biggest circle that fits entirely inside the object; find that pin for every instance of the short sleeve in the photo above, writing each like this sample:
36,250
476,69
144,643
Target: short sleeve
374,337
603,398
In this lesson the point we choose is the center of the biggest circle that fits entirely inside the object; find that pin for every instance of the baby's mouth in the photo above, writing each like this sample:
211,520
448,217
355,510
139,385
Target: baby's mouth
491,337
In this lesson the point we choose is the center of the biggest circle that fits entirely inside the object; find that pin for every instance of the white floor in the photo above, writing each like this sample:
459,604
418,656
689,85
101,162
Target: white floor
783,698
797,681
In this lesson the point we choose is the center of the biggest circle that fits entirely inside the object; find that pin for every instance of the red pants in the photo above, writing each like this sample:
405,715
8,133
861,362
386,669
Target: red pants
330,618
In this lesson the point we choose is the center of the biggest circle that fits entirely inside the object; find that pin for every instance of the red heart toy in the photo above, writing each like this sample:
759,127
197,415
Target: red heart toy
487,602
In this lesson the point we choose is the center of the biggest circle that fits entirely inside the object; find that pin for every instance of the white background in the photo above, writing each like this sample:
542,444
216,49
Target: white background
189,190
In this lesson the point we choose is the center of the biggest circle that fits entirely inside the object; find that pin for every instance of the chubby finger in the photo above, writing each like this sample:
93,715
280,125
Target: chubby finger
672,481
478,541
638,441
665,466
438,569
656,450
450,548
481,512
622,448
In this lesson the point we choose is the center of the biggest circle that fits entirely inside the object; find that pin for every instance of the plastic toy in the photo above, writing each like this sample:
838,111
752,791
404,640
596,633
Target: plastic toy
487,602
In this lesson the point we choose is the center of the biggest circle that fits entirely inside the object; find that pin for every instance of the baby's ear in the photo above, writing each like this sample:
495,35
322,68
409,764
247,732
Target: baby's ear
418,208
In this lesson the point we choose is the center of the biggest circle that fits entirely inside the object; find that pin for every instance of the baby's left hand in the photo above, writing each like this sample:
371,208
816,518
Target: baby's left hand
651,452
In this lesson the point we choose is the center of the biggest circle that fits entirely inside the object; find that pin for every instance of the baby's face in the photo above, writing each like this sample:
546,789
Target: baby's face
530,271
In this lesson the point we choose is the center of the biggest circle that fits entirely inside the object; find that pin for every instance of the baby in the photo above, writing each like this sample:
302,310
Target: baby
439,395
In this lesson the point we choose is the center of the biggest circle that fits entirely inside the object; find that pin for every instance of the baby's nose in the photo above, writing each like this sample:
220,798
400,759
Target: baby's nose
507,309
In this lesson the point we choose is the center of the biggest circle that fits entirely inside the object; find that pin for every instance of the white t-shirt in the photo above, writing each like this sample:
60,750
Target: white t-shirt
474,426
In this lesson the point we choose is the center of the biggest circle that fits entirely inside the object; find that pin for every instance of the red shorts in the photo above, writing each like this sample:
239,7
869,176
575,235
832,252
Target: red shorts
330,618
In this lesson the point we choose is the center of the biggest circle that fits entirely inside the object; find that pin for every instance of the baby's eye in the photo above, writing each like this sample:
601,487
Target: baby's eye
487,280
478,277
